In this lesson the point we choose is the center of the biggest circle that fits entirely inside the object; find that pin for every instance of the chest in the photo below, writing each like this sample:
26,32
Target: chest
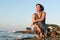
38,16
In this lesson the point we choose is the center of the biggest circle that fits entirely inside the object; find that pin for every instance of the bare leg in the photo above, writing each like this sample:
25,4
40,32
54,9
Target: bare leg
39,30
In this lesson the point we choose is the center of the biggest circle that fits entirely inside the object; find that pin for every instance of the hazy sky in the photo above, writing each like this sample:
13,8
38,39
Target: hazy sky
16,14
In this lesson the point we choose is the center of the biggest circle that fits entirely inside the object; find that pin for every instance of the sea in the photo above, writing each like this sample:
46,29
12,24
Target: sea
6,35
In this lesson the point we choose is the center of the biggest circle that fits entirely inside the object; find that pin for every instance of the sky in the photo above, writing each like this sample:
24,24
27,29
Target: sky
16,15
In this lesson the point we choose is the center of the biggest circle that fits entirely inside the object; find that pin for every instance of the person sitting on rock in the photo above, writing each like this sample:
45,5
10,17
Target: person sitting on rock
38,19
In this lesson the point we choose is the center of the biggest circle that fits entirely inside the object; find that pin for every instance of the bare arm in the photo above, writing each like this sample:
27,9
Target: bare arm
33,20
43,16
38,20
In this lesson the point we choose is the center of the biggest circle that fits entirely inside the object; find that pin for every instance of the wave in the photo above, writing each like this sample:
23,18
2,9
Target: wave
6,34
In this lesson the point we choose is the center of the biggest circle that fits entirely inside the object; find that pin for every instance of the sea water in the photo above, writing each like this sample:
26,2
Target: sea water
4,35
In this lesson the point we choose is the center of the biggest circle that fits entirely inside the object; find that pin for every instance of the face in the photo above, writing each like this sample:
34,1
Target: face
37,8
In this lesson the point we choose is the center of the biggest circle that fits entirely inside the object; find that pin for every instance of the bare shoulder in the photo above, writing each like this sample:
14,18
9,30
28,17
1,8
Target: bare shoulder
33,14
44,12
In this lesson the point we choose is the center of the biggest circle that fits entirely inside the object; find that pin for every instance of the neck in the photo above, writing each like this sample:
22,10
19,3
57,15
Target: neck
39,12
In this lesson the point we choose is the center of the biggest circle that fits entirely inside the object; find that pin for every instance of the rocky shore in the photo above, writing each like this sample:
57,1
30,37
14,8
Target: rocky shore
53,33
44,38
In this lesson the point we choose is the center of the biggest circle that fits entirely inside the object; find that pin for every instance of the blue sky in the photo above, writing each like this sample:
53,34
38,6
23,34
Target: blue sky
16,14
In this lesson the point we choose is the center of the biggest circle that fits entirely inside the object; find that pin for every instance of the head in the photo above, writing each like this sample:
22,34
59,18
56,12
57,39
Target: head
39,7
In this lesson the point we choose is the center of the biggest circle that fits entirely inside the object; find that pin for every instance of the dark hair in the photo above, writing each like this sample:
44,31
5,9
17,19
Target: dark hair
41,6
